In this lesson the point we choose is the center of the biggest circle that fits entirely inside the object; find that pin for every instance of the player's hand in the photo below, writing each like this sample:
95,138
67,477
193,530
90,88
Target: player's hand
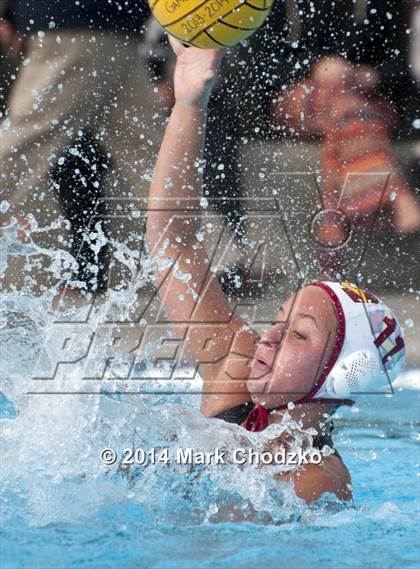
195,72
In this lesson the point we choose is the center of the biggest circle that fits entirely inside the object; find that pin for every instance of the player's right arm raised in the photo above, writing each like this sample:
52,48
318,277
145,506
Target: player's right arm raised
176,187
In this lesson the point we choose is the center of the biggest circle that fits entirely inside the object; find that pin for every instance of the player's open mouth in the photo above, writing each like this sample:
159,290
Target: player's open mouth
261,365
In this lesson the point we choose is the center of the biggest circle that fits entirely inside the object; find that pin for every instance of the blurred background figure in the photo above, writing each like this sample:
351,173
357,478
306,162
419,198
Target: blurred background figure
338,73
359,89
79,122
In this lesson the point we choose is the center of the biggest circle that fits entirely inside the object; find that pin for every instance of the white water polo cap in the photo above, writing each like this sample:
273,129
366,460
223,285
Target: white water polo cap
369,350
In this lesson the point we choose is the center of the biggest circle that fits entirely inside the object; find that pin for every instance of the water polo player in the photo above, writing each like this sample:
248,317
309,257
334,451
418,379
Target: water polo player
328,341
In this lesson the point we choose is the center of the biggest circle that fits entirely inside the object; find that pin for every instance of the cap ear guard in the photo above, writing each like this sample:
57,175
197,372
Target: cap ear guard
369,351
357,373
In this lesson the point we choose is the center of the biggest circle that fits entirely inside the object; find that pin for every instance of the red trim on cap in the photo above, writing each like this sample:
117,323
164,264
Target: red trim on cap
337,347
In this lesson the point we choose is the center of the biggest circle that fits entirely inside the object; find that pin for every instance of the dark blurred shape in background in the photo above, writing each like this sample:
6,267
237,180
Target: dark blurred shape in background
76,95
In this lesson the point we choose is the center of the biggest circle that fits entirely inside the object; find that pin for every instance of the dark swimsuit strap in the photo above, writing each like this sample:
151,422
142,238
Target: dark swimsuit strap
236,414
239,414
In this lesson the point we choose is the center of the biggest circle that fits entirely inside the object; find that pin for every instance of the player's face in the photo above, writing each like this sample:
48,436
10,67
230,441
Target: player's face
292,354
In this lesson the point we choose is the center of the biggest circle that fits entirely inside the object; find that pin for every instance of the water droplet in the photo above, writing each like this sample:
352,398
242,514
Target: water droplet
4,206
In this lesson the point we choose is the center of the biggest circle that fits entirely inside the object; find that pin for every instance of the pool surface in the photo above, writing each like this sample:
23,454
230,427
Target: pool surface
62,508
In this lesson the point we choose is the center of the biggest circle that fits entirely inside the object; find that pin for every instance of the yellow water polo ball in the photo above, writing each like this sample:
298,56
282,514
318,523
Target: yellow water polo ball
210,23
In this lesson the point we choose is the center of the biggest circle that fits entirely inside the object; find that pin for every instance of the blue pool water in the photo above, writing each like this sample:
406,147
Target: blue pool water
62,509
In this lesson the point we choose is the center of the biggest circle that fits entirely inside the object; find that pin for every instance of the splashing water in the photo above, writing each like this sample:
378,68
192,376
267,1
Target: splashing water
58,496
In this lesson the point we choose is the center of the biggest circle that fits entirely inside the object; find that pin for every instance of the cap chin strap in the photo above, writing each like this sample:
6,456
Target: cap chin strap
258,418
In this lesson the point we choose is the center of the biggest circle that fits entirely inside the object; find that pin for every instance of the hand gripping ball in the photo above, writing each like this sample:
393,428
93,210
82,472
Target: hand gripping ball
210,23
